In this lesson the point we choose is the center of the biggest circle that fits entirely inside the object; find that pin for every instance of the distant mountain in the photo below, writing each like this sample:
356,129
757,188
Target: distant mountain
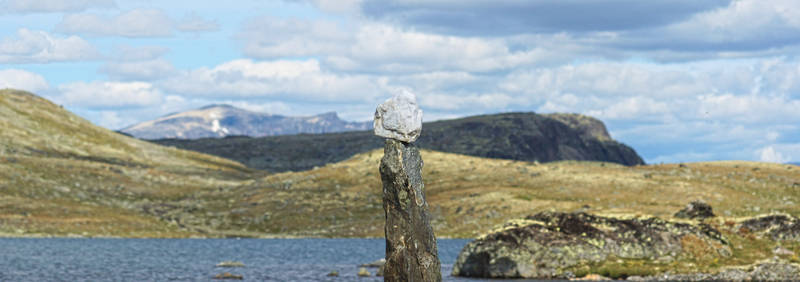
795,163
226,120
514,136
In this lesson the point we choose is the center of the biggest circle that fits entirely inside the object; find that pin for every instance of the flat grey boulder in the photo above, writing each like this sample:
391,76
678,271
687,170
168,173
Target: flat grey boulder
554,245
399,118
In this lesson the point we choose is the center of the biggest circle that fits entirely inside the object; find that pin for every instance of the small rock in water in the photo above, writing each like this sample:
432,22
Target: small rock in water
228,275
363,272
377,263
230,264
399,118
333,274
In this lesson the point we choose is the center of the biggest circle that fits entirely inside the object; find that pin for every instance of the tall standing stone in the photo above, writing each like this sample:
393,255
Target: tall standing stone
411,252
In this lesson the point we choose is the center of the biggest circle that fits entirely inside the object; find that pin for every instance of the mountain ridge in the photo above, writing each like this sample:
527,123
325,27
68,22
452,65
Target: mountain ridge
221,120
515,136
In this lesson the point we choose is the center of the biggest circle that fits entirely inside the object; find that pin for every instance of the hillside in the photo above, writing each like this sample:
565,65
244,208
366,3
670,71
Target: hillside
470,195
225,120
514,136
60,174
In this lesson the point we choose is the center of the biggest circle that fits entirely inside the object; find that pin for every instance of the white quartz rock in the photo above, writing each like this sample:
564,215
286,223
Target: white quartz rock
399,118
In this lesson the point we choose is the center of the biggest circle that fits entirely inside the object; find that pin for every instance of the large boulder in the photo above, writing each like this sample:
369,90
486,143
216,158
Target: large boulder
553,244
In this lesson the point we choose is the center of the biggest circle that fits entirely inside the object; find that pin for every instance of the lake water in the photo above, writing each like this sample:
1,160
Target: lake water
28,259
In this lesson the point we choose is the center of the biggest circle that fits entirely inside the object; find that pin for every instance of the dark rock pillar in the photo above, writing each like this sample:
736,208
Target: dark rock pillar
411,252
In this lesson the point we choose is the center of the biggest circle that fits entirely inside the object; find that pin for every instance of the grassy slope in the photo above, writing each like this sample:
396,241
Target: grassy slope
61,175
469,195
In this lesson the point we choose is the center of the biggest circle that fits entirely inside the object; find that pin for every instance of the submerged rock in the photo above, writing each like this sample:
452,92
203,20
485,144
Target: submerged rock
380,264
696,210
230,264
228,275
377,263
552,244
333,274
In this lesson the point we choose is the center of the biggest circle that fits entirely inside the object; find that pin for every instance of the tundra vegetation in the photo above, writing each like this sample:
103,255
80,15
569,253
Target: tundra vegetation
62,176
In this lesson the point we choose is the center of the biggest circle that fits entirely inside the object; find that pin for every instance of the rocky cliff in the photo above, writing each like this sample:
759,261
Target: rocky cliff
514,136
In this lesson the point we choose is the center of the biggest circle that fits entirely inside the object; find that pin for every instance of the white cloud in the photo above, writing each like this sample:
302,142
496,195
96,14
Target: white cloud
438,101
49,6
110,94
769,154
31,46
379,47
134,23
608,79
744,24
194,23
268,37
347,7
752,109
289,80
23,80
111,119
139,70
140,53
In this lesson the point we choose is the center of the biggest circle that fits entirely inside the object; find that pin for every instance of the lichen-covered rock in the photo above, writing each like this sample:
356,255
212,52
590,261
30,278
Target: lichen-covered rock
229,276
550,245
411,252
696,210
399,118
777,226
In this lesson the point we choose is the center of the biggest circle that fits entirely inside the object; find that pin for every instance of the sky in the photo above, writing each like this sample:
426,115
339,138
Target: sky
677,80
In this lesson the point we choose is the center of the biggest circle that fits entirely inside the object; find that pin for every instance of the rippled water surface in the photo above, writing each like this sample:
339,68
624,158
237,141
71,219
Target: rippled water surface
195,259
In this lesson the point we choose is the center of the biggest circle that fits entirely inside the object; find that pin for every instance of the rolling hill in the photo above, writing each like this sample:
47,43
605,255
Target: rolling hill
62,176
514,136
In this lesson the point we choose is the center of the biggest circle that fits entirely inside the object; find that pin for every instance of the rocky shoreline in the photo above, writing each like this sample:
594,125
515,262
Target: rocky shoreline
557,245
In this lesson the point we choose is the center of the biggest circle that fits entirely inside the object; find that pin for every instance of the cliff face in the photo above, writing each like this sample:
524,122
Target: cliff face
528,137
515,136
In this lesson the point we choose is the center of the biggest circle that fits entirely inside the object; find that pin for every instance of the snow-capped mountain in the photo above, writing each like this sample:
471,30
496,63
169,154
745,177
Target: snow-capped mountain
225,120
